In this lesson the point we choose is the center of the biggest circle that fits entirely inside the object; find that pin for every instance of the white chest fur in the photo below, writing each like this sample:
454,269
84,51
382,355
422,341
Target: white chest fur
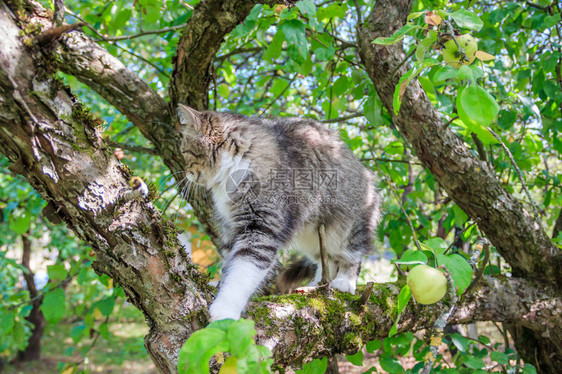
228,167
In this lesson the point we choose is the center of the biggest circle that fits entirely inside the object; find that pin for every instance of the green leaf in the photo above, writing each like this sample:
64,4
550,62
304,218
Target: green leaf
460,270
474,362
425,44
403,298
444,73
77,332
105,305
54,305
104,330
412,257
122,18
390,364
241,337
499,357
467,20
297,45
20,224
224,90
415,15
316,366
7,322
373,345
307,7
397,98
338,10
460,342
435,245
529,369
203,344
484,339
56,272
477,109
356,359
372,109
397,36
273,51
406,79
460,216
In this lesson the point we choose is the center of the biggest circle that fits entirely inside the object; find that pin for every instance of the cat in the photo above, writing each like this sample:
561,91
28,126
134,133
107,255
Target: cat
274,183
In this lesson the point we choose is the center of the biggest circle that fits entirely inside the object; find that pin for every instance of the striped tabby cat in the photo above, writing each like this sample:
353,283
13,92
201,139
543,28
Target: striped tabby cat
273,183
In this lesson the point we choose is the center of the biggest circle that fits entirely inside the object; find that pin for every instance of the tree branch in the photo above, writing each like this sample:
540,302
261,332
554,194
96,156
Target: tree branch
470,182
91,64
211,21
298,328
57,148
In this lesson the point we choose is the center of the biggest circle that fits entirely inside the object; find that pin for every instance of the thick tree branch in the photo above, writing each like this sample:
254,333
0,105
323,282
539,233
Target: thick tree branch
205,31
211,21
470,182
53,142
81,57
300,327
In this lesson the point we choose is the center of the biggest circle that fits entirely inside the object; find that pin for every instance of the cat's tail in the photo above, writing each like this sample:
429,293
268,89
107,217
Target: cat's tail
295,274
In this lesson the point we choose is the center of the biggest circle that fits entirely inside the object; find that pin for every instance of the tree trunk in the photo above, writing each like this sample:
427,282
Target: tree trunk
33,350
469,181
51,139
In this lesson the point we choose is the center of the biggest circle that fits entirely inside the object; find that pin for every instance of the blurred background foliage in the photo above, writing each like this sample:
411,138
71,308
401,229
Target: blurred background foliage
299,61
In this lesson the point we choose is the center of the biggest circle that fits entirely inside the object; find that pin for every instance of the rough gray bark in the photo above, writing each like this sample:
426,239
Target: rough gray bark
52,141
470,182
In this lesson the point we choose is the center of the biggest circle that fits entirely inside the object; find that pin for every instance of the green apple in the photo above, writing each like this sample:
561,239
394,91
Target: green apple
428,285
451,53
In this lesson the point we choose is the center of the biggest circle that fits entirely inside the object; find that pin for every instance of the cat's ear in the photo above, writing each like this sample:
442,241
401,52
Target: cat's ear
190,118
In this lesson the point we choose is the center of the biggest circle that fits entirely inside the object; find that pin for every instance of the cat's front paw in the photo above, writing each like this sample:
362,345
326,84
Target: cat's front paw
220,311
344,285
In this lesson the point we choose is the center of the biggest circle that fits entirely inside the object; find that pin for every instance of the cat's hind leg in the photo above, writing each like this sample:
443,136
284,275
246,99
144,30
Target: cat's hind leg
349,263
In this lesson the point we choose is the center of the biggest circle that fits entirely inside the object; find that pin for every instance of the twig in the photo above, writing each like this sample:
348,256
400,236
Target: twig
358,10
366,293
115,44
479,147
537,6
451,121
238,51
140,34
58,17
458,236
323,255
344,118
390,184
483,244
390,160
519,174
393,72
280,94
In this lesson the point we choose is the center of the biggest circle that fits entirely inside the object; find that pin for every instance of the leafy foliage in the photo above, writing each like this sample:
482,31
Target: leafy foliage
304,61
236,337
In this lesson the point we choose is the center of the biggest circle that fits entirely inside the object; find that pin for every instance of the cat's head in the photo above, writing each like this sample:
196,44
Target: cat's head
201,140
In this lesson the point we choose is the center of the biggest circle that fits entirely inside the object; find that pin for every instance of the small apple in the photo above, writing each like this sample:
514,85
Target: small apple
451,53
428,285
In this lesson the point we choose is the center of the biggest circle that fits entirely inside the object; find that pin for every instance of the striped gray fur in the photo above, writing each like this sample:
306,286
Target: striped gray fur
273,183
